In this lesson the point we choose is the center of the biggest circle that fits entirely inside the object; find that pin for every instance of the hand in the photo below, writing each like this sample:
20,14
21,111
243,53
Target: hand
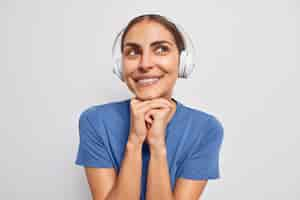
138,125
157,121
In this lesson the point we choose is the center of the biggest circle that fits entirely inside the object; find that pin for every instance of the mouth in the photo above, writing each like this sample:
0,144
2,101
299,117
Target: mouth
147,81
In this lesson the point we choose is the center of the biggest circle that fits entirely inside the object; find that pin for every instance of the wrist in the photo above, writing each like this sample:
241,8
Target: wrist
158,153
157,148
133,148
134,141
156,142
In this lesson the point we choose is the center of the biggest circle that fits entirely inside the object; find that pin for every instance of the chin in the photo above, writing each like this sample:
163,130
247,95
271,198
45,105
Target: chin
148,96
151,95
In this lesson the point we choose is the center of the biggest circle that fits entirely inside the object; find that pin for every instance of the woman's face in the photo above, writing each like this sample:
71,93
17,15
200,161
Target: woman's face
150,61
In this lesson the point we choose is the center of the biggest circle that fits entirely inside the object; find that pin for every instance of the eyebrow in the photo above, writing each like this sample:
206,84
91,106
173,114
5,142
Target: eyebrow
152,44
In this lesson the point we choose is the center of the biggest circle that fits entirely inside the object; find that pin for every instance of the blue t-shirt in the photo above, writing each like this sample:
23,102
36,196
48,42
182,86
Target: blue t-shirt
193,141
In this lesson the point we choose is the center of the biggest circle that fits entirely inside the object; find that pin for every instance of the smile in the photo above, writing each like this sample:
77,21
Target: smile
147,82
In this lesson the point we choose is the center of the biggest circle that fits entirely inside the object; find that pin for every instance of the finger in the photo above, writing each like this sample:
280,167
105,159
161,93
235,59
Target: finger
135,100
138,107
163,100
148,125
148,119
160,105
142,107
138,104
157,105
150,114
159,112
160,99
149,106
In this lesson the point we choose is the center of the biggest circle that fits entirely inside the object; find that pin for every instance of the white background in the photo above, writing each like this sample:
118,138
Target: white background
55,61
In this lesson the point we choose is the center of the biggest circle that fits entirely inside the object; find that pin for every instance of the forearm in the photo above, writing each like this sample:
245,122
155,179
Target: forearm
128,183
158,180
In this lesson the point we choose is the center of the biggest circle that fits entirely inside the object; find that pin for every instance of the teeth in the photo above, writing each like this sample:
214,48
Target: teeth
148,80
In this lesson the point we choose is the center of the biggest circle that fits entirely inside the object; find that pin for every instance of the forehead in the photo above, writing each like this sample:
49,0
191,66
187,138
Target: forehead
148,31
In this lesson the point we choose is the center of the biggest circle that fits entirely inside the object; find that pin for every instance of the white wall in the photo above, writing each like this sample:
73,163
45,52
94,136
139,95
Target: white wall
55,60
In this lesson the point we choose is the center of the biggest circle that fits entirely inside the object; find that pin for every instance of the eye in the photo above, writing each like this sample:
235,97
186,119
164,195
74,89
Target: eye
131,52
161,49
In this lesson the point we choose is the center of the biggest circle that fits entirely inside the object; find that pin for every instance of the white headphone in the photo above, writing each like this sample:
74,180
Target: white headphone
186,64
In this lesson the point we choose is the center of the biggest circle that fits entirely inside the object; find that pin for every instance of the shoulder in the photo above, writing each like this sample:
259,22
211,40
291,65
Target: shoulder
205,125
105,110
201,117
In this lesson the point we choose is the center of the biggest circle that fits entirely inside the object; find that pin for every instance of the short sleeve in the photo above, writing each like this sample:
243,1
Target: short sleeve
91,151
203,162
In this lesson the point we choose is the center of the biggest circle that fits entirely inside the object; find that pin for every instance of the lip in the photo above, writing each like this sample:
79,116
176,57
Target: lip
145,77
148,84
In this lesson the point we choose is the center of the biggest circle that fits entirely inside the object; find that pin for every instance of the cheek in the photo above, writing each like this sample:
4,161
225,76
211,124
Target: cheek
170,64
128,66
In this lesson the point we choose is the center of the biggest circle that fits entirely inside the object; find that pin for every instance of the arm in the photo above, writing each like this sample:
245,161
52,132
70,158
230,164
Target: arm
158,181
106,185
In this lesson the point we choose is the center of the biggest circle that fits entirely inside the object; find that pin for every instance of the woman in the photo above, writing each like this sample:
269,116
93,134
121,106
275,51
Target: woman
150,146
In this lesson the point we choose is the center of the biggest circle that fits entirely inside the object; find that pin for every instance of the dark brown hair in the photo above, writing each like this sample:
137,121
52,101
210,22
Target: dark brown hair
170,26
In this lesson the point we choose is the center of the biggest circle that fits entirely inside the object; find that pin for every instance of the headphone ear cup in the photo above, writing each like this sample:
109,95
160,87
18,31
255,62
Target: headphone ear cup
190,65
186,65
182,64
118,68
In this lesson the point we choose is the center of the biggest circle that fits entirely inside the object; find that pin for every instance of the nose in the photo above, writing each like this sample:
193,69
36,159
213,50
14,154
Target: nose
146,61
